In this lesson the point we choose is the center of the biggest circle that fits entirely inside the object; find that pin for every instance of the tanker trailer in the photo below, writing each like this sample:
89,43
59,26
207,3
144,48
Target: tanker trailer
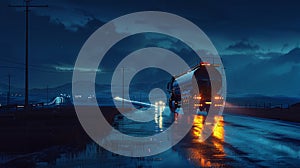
195,90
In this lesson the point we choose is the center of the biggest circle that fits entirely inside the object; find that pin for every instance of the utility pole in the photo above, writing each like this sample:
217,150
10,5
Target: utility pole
8,92
47,95
26,6
123,83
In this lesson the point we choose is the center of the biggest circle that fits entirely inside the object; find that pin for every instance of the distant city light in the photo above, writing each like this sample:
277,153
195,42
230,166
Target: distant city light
91,96
78,96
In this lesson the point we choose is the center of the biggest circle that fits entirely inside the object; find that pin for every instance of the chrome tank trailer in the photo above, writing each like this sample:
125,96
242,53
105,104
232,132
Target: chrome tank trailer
195,90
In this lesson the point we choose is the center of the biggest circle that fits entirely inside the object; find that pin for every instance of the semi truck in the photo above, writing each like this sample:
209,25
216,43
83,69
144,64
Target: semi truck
193,89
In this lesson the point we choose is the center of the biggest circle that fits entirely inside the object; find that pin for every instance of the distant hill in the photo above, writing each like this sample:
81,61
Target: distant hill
145,87
67,88
4,88
261,100
291,56
141,90
297,105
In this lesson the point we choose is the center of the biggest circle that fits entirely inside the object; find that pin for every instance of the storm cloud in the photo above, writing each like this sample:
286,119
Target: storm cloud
256,39
243,46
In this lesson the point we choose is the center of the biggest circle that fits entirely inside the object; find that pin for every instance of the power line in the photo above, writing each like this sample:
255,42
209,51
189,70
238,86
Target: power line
23,64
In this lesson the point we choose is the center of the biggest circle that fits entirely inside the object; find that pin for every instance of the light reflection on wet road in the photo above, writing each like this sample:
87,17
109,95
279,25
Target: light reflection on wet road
237,141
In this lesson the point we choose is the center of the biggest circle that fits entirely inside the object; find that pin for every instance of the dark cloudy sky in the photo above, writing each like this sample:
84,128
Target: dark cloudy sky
256,39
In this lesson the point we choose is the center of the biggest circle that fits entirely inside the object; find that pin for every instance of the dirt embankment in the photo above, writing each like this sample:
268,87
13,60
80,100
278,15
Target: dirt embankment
287,114
32,131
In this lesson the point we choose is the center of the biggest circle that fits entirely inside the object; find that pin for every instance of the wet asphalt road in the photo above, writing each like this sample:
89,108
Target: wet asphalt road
237,141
